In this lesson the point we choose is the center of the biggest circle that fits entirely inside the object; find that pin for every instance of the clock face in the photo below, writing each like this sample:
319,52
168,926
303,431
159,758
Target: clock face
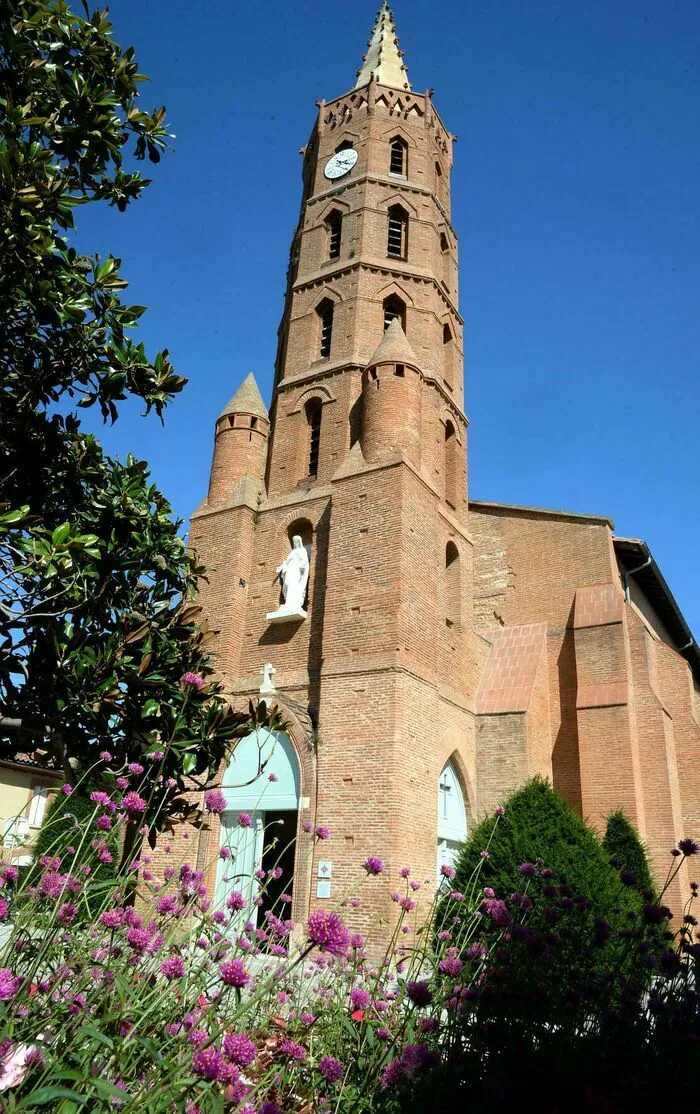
340,163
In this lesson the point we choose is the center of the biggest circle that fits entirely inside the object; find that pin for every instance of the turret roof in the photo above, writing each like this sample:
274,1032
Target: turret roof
394,348
247,400
383,60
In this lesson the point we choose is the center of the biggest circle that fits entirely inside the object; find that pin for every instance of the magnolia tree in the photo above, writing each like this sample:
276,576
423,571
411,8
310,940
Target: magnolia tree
97,624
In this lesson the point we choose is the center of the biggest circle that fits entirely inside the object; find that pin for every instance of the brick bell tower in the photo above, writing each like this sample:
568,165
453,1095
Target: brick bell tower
363,455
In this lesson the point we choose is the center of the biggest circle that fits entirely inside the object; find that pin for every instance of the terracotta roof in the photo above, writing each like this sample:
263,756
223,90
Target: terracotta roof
247,400
511,667
393,348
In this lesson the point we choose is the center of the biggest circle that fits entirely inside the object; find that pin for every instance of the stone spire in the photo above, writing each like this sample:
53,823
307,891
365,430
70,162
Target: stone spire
247,400
393,348
383,60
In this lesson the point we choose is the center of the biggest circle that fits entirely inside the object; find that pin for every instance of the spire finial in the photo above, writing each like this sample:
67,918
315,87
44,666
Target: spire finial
383,59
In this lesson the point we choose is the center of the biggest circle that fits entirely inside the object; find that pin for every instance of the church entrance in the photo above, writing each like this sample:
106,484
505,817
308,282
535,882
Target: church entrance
261,784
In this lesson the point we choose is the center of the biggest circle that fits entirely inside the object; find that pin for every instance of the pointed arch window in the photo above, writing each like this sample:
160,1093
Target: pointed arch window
397,233
448,355
450,464
398,157
325,316
452,826
394,307
334,228
453,610
314,413
445,259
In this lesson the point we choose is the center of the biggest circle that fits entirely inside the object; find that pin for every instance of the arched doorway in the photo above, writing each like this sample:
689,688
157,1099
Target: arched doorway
262,781
452,817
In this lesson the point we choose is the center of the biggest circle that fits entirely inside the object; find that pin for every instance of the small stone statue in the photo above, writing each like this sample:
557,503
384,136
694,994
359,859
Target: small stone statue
268,685
294,577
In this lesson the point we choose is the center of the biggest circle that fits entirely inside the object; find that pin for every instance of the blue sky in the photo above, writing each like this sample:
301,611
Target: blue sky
575,198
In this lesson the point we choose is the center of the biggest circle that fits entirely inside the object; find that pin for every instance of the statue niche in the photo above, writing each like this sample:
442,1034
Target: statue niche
293,575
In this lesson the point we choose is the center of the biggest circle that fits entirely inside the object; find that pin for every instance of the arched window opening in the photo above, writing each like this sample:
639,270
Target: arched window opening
325,314
314,412
397,236
334,227
450,464
453,611
445,259
398,159
452,829
269,840
448,355
394,307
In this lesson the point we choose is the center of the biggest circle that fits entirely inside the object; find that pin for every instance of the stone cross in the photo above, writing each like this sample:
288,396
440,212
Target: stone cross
268,685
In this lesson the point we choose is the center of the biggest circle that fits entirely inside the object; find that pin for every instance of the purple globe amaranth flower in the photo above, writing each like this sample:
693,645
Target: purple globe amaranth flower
500,811
240,1049
225,853
476,951
655,914
293,1050
245,820
234,973
373,865
357,940
404,872
688,847
105,756
138,939
133,804
236,900
209,1063
528,869
331,1069
497,910
173,967
322,831
451,965
391,1074
484,855
359,999
214,801
67,789
196,680
419,992
4,909
447,871
328,932
9,984
135,768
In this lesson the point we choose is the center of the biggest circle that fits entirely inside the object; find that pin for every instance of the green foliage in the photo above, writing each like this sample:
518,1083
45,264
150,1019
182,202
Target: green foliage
97,626
626,851
538,826
71,822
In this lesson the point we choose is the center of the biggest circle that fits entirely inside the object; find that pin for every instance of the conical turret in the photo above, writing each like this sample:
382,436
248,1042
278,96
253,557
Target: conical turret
391,399
240,444
383,61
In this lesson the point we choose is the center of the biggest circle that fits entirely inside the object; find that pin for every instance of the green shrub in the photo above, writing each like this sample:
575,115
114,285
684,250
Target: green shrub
539,826
626,851
70,821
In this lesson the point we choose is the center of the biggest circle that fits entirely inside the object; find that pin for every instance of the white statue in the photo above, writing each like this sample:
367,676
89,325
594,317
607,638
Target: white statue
294,577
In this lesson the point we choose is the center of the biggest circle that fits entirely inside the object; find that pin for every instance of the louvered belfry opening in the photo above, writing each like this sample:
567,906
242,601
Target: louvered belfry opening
325,313
397,235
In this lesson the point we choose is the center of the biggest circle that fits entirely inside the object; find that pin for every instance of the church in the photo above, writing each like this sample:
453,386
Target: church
428,653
